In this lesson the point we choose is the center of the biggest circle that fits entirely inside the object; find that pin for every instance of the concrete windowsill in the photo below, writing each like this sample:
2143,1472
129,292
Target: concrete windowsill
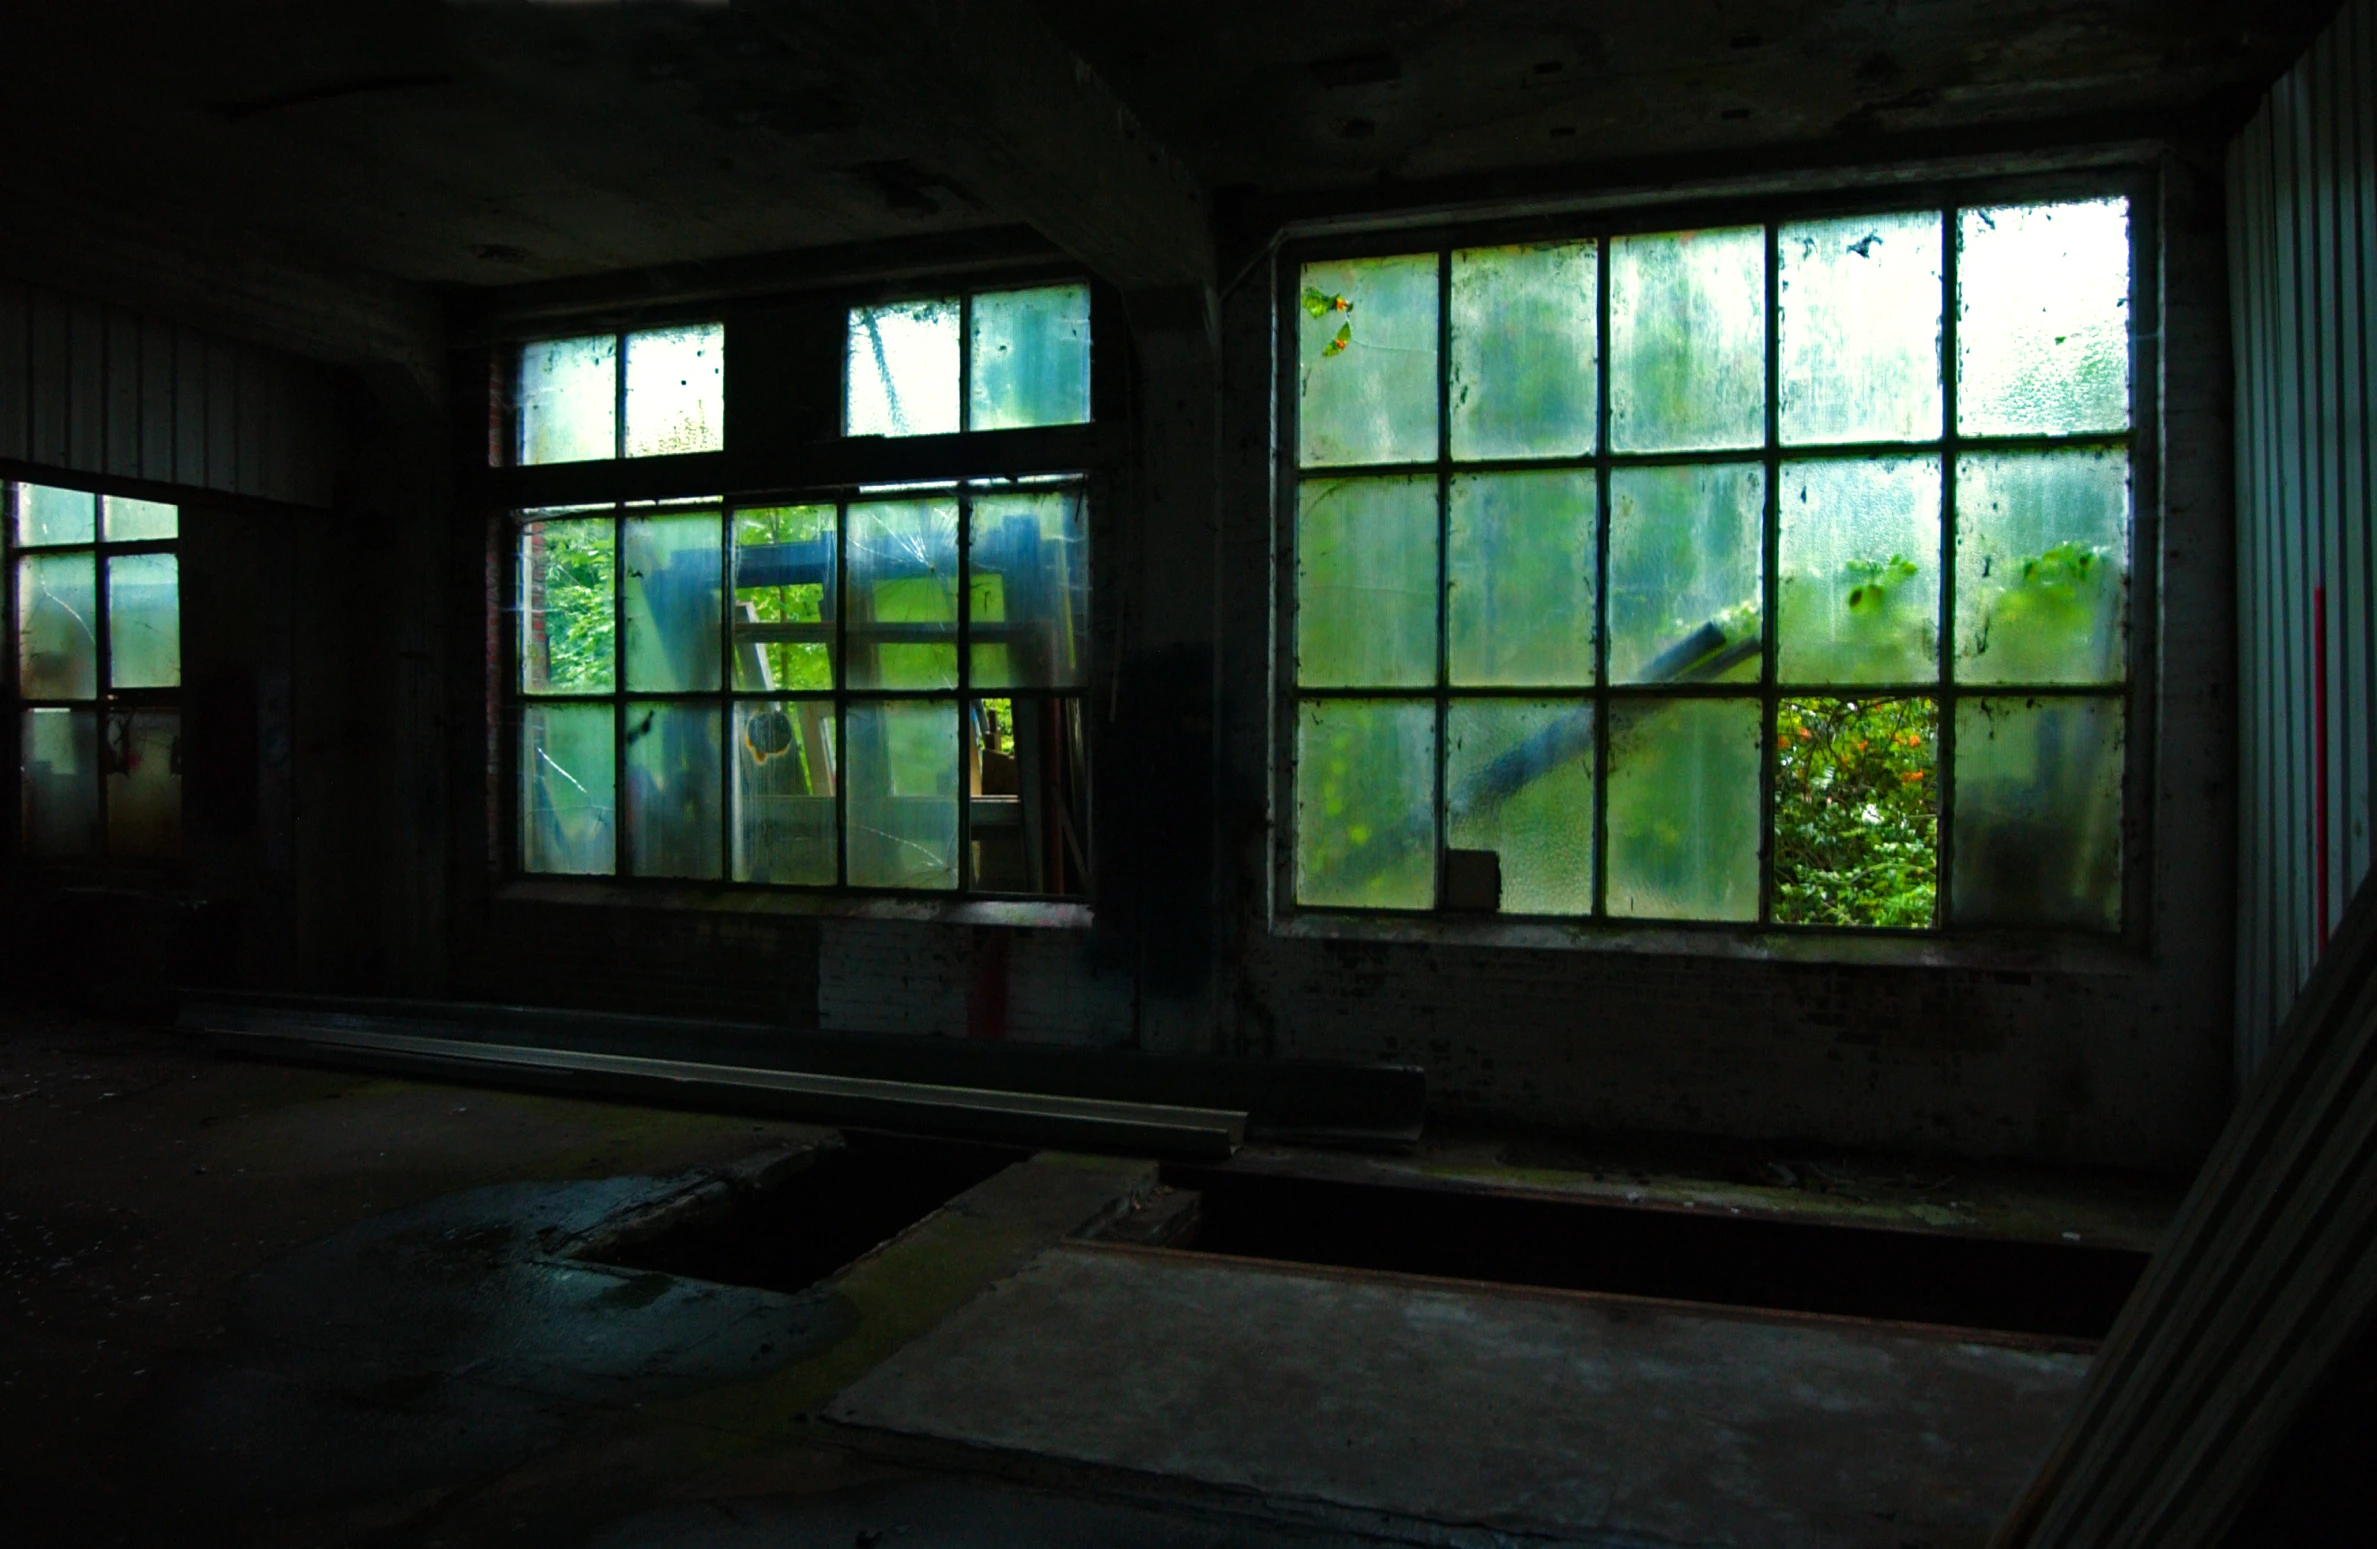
769,901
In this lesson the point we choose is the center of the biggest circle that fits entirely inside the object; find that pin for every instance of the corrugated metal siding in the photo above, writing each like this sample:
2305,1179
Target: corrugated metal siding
2303,275
90,388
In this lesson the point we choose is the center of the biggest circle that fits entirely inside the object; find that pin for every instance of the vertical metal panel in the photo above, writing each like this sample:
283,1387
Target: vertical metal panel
156,400
189,407
123,386
86,386
47,383
222,416
16,369
2303,252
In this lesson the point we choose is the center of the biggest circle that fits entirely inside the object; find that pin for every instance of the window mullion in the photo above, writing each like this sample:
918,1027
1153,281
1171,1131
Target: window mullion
1444,541
1601,487
1770,582
1943,740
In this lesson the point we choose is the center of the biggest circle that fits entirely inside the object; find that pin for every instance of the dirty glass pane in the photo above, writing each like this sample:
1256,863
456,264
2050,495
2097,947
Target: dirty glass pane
785,757
2042,568
569,400
784,598
1518,779
1365,794
903,595
57,608
900,369
1856,837
1687,340
46,515
1525,344
1519,604
1366,583
1030,358
676,390
1860,582
144,784
566,789
566,606
1030,608
59,788
1366,362
140,521
903,794
144,621
2042,333
1859,313
1686,564
1683,809
672,789
2038,812
671,595
1028,771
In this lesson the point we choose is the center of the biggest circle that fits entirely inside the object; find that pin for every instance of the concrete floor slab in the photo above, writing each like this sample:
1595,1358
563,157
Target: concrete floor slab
1541,1413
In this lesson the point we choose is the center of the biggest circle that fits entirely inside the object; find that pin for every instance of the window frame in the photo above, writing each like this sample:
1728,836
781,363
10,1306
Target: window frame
107,701
2138,693
835,469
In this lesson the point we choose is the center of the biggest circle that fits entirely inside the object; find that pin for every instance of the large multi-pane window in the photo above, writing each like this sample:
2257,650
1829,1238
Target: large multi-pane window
1774,573
872,686
95,606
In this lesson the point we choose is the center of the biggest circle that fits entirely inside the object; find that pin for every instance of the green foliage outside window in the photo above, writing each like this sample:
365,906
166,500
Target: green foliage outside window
1856,812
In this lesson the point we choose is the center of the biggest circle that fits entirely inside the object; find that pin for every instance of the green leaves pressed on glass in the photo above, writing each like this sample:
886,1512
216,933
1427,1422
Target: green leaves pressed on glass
1856,826
1367,394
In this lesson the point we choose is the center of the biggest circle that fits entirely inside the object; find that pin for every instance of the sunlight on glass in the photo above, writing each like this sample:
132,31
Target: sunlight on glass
57,611
567,606
784,828
567,789
1686,559
2042,568
1856,812
1520,578
784,598
569,400
1365,787
676,390
1366,362
901,368
1683,809
672,789
1518,777
2042,335
1859,313
902,627
1030,358
1029,615
144,621
1524,347
903,794
1366,583
140,521
1687,346
2038,812
58,786
1859,563
46,515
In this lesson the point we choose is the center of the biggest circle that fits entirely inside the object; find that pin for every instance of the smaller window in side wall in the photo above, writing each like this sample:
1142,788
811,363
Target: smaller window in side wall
94,604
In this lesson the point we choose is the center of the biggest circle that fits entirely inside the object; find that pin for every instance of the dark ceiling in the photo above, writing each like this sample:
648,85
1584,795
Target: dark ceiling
504,140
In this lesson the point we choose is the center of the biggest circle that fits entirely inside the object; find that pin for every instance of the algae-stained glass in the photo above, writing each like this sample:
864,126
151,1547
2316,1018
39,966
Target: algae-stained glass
1770,574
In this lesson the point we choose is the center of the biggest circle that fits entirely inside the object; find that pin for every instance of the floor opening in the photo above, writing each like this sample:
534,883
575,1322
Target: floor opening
853,1197
2060,1290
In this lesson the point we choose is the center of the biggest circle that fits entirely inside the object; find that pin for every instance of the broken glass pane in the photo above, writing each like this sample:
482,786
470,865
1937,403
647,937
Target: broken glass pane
569,400
144,784
1856,812
1686,566
1366,583
57,606
1860,320
2042,333
672,789
46,515
2042,568
1365,795
1525,344
1028,772
1683,809
901,368
671,595
784,598
59,789
676,390
784,792
1030,358
140,521
1366,362
1030,609
1519,602
903,595
1687,340
144,621
2038,812
566,606
1860,578
1518,779
566,789
903,794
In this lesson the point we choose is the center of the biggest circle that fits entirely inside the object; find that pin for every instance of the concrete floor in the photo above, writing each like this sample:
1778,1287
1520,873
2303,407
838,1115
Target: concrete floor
251,1304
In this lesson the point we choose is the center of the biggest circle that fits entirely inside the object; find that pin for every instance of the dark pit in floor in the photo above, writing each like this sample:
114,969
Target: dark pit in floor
2060,1290
851,1198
